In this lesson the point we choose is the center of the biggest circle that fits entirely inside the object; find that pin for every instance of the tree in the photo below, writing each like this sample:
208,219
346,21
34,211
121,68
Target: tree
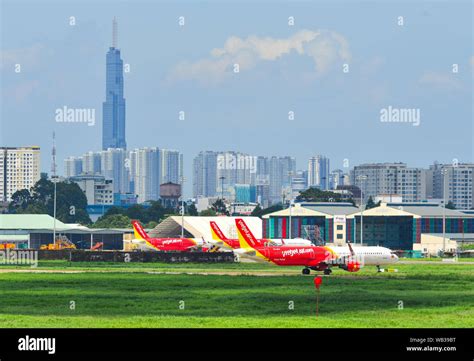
21,199
156,212
318,195
71,202
115,210
450,205
192,210
259,212
219,207
371,204
208,213
113,221
151,224
137,212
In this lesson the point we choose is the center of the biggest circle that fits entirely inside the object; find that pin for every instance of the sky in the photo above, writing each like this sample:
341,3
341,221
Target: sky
336,65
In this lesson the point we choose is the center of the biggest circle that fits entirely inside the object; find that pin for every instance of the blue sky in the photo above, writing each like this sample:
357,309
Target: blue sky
282,68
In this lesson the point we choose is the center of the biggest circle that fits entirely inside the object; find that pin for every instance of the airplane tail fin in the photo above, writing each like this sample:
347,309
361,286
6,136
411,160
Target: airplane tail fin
246,238
138,231
217,234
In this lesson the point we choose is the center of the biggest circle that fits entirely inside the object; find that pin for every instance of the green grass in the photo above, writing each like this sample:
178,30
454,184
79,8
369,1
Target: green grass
125,295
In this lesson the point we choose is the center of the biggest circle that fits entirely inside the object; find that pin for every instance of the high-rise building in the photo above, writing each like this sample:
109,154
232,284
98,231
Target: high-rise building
171,166
205,174
19,169
72,166
245,193
299,183
115,166
217,173
234,168
146,173
336,178
318,172
453,181
280,171
92,163
390,179
113,109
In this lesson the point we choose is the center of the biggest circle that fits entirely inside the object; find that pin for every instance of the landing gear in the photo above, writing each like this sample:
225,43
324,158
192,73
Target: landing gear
306,271
327,271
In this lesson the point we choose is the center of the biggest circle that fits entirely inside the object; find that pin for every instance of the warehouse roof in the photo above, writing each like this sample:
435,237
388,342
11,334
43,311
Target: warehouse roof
30,221
199,227
42,223
321,209
417,210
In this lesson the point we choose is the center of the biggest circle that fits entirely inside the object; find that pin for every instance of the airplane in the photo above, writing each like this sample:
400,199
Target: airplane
317,258
162,244
218,235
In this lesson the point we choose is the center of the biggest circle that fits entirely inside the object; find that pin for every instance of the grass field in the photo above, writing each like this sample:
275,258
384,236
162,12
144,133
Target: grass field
139,295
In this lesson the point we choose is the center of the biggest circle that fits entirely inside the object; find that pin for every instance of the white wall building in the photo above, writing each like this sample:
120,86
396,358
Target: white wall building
97,189
19,169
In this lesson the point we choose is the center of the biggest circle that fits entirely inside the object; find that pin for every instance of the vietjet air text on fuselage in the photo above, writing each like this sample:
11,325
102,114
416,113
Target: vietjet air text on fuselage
318,258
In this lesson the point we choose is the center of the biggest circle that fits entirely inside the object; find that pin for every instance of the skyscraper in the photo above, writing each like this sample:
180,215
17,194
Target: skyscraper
72,166
114,166
113,109
205,174
318,172
146,173
171,166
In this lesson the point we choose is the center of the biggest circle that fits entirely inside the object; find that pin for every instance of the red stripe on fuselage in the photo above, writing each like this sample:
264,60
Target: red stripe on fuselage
295,256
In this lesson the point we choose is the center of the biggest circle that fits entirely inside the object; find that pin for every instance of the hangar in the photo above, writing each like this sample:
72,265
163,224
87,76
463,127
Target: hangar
320,222
199,227
398,226
34,230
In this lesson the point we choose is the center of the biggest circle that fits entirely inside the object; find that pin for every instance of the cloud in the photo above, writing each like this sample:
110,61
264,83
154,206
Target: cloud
444,81
20,92
28,57
324,47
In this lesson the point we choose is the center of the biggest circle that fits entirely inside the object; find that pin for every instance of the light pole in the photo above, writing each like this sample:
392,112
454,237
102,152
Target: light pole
182,206
54,179
360,179
222,187
291,204
444,172
290,174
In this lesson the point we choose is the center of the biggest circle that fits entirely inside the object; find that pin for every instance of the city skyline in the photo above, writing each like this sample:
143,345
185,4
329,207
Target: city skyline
304,97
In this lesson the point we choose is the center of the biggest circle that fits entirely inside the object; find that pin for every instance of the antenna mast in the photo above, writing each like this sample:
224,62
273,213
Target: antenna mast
114,33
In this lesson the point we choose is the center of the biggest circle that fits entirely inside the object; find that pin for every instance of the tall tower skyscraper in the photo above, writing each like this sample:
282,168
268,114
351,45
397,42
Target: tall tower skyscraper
318,172
113,109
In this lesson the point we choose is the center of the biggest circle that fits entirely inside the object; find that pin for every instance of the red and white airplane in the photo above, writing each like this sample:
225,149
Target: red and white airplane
317,258
218,235
162,244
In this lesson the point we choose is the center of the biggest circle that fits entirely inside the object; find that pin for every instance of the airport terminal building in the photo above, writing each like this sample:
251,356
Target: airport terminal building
398,226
